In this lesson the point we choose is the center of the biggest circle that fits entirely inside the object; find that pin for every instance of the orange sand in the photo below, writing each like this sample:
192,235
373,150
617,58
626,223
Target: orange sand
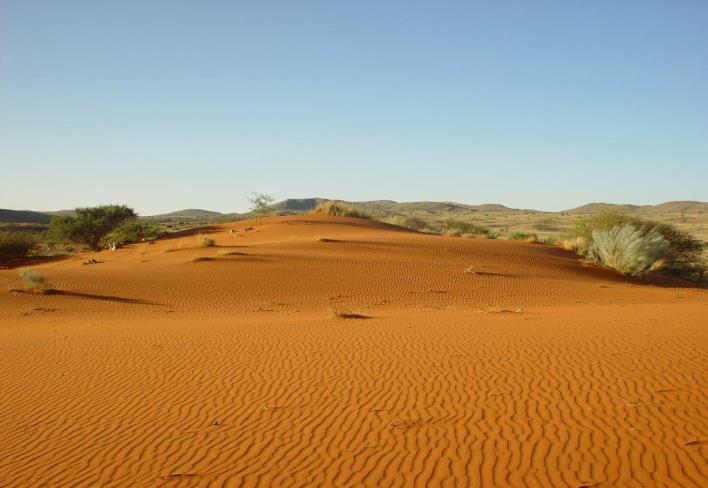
149,369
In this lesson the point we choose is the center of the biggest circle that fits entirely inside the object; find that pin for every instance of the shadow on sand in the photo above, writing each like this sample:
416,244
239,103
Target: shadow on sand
105,298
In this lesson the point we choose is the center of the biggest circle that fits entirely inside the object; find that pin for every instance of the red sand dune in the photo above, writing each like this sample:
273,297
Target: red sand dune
174,365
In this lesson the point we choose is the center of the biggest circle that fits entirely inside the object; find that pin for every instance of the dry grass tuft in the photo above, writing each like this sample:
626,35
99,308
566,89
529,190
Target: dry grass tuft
339,209
627,249
205,241
34,282
576,244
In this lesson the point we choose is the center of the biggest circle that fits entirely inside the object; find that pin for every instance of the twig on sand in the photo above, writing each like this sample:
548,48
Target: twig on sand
343,314
501,310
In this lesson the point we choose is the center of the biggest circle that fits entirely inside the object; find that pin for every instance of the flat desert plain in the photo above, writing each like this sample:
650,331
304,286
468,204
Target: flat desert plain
171,364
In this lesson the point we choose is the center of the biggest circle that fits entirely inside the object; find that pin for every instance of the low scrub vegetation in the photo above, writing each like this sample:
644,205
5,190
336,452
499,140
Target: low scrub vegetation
133,231
628,249
523,236
339,209
14,246
408,222
205,241
33,282
457,228
683,258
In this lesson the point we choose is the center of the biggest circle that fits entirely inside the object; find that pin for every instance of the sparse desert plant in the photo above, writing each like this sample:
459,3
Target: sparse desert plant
576,244
205,241
627,249
523,236
33,282
15,245
547,240
685,257
339,209
457,228
90,225
260,205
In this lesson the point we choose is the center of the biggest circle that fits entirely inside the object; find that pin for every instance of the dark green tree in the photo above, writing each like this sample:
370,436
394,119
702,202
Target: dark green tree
91,224
15,245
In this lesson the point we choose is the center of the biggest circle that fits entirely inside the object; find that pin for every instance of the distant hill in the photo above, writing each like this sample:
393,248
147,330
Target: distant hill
681,207
24,216
188,213
590,208
383,209
666,207
296,205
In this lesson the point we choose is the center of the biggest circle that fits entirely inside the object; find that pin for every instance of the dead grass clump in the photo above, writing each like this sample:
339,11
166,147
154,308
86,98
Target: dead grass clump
339,209
502,310
576,244
344,314
205,241
33,282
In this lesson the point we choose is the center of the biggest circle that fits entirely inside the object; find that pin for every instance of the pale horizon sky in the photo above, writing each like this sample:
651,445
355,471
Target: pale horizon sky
166,105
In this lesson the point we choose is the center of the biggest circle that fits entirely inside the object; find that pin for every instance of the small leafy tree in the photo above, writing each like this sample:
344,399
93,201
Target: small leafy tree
90,225
260,205
15,245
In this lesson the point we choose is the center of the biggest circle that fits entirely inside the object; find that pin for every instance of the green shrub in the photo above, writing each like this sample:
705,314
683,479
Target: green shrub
90,225
523,236
133,231
458,228
339,209
205,241
33,281
627,249
684,259
15,245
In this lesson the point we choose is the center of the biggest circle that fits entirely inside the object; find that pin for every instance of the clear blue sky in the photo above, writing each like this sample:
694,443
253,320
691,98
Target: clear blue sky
175,104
